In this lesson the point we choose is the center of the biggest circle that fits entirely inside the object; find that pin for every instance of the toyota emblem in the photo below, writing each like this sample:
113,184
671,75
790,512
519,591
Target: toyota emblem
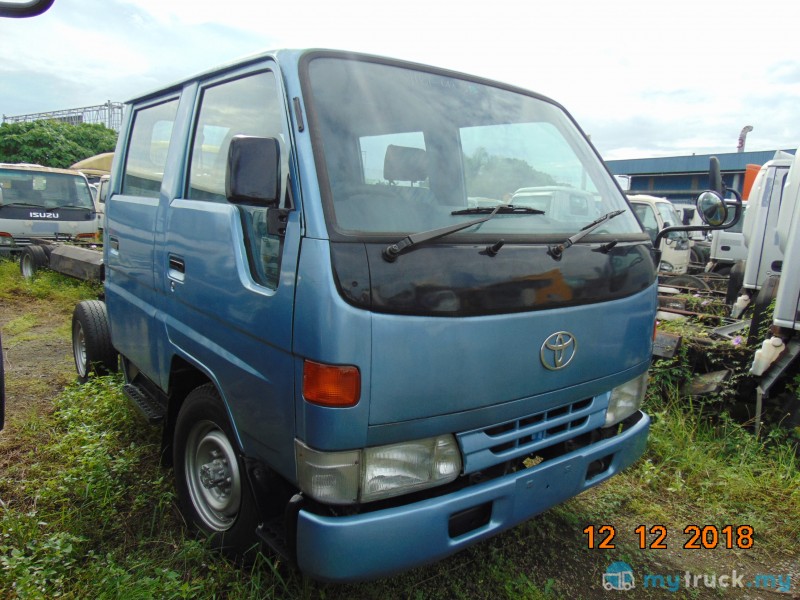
558,350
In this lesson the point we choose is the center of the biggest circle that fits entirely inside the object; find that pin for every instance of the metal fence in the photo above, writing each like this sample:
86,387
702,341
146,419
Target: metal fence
108,114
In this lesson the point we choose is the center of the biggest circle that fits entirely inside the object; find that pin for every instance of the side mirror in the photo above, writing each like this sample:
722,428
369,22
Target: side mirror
253,171
25,8
712,208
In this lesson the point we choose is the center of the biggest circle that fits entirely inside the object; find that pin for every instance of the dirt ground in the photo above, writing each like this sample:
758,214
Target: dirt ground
37,360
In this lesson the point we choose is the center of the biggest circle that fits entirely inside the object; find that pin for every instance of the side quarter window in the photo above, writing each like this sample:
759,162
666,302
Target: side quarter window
648,219
249,105
147,149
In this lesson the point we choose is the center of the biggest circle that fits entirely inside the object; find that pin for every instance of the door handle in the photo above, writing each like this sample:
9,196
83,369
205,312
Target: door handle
177,268
177,264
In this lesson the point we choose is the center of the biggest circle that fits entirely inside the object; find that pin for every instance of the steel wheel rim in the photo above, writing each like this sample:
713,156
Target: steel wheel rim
27,265
79,350
212,476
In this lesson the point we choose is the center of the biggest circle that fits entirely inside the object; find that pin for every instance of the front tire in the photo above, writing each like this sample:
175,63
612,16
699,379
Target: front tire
213,491
31,260
91,340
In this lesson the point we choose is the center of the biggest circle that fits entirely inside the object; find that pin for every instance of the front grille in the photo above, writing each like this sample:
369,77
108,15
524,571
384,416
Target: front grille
488,447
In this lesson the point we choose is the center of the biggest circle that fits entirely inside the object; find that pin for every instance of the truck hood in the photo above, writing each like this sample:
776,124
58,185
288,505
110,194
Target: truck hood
424,367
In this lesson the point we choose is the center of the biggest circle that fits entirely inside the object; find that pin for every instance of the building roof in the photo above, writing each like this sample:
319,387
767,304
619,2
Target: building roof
696,163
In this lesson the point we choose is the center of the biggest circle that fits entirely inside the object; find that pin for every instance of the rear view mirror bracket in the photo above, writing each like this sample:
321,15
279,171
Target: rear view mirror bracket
711,207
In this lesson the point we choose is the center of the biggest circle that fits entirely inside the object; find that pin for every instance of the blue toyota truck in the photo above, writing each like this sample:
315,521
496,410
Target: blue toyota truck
361,350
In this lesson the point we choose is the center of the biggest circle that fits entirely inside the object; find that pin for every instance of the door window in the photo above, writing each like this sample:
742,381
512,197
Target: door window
250,106
147,149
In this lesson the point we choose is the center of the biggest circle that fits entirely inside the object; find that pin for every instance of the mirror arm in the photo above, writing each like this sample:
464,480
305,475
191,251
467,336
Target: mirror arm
667,230
737,205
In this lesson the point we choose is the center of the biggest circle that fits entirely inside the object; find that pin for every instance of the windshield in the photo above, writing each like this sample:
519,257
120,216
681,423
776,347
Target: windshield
403,149
671,218
44,189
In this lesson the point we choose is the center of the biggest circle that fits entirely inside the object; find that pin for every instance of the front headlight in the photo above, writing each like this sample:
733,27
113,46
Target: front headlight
6,239
375,473
666,267
626,400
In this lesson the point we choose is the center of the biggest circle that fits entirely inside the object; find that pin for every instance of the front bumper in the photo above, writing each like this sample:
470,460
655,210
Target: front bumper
380,543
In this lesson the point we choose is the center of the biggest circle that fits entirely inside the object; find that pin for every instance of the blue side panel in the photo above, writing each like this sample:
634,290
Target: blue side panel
131,295
329,330
240,333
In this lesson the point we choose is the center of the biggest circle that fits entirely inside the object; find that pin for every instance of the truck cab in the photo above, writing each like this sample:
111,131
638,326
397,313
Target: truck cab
361,348
764,255
775,362
787,301
43,203
656,214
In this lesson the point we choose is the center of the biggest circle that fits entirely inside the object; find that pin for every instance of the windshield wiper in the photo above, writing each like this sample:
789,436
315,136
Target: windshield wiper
71,206
503,209
23,204
557,251
392,251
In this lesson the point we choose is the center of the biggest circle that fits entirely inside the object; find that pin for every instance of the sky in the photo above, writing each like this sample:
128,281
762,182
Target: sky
643,78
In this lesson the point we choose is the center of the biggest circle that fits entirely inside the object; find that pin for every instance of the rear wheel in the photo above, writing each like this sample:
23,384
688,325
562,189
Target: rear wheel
213,490
91,340
31,260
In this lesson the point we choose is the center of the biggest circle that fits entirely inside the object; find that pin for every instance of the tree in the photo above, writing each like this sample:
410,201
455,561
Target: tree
498,176
53,143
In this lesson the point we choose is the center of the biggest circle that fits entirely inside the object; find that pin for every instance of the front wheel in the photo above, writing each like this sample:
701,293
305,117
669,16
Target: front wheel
213,491
31,260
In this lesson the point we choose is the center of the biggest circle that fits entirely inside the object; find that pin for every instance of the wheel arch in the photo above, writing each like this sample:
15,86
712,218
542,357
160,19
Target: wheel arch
186,375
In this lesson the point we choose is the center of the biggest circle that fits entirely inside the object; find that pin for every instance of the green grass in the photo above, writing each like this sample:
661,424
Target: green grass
60,292
89,512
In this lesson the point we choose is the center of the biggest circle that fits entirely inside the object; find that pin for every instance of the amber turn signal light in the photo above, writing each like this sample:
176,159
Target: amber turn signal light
337,386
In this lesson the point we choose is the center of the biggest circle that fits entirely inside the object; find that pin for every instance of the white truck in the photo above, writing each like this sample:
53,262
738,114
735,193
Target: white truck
656,214
764,255
43,204
774,260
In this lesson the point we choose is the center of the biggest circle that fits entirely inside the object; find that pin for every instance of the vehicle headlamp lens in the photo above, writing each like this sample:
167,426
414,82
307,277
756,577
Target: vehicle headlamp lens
401,468
380,472
626,400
